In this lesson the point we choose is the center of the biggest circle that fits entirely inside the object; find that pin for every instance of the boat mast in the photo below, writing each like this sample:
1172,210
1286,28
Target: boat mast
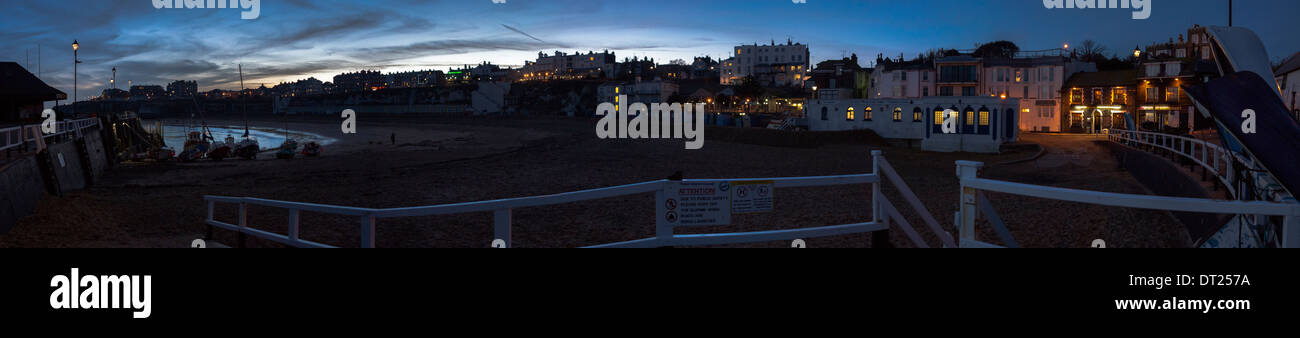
245,99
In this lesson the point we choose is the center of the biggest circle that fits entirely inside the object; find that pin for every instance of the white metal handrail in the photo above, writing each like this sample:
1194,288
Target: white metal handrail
14,137
1212,157
11,137
972,185
502,210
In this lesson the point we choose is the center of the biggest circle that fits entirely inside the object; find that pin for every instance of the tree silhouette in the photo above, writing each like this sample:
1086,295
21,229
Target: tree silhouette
1091,51
1004,49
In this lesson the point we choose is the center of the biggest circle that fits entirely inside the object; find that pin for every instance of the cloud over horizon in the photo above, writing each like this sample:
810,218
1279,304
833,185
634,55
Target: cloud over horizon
297,39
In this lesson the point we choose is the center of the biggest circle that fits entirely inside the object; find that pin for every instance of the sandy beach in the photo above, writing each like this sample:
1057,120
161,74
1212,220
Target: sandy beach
436,161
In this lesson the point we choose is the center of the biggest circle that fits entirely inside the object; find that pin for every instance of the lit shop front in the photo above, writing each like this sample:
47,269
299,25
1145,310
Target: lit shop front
1094,119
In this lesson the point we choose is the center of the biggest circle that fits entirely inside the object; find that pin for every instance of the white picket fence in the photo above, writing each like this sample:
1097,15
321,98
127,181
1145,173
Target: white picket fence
884,214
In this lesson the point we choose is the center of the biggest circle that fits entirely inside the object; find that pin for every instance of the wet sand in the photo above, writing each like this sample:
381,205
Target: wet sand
437,161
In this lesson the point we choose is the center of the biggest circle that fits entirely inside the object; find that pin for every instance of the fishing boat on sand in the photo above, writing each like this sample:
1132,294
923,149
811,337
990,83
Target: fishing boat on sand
196,146
247,149
287,149
222,150
312,149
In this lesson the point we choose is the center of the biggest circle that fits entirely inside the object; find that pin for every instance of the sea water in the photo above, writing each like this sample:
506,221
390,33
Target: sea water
267,139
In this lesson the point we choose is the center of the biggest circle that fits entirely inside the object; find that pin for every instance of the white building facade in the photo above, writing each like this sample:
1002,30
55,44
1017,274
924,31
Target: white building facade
983,123
772,65
909,81
1036,83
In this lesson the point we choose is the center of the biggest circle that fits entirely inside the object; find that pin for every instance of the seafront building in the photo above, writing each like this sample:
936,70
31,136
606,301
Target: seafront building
771,65
983,123
182,88
1036,82
562,66
1166,68
646,92
844,78
1096,101
897,79
1288,80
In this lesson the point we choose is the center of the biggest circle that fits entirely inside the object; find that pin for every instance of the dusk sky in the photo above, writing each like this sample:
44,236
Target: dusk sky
295,39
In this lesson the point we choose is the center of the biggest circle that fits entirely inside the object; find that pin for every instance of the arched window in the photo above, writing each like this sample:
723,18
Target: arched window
848,116
824,114
970,116
868,112
917,114
898,114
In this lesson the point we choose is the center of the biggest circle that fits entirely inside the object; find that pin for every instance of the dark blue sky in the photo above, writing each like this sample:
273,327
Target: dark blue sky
299,38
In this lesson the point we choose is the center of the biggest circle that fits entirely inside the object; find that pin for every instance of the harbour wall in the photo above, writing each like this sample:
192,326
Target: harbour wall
67,164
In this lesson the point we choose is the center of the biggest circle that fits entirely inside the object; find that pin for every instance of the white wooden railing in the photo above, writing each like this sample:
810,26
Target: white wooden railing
973,203
884,214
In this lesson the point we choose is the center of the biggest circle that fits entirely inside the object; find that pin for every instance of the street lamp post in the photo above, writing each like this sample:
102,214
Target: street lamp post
75,62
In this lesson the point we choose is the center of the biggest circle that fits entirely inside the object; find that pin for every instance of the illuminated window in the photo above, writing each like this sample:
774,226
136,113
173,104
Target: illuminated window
916,114
1076,96
849,115
898,114
1171,94
938,116
984,118
868,112
970,117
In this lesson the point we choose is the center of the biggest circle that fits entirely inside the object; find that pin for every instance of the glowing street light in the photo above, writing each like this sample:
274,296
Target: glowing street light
75,61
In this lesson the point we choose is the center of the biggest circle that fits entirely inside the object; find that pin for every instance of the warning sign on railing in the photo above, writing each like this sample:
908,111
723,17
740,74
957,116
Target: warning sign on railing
697,203
751,197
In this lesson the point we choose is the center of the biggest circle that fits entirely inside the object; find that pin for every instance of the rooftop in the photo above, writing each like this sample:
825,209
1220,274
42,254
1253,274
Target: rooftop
18,83
1291,64
1103,79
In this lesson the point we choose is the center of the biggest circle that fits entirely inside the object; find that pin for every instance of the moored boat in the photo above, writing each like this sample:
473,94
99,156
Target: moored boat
287,149
312,149
247,149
